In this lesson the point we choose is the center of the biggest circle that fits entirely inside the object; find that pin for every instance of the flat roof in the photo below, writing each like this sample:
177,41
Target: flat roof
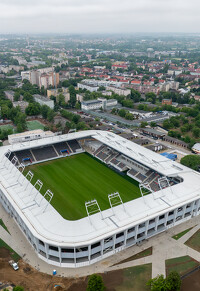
43,222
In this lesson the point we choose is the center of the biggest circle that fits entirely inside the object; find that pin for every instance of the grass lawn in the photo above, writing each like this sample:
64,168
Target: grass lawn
13,254
135,278
180,234
6,127
80,178
182,265
32,125
3,225
194,241
145,253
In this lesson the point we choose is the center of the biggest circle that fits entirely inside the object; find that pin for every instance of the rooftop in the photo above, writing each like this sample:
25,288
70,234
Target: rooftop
44,222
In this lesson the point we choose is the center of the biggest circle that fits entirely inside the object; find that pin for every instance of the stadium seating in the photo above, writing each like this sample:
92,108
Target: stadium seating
44,153
102,156
133,172
141,177
121,165
74,145
61,146
114,161
25,154
98,150
154,186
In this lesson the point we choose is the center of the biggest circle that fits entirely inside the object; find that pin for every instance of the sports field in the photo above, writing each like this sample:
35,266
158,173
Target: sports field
80,178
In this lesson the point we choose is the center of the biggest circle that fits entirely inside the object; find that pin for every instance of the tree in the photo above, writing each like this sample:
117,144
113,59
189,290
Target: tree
33,109
18,288
16,96
44,111
153,123
76,118
122,112
173,281
143,124
191,161
196,132
157,284
95,283
50,115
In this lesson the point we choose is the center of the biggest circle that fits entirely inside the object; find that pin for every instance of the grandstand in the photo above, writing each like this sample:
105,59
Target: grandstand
170,194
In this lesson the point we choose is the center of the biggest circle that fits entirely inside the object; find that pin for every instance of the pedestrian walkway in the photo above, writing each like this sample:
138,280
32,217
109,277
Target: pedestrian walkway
163,245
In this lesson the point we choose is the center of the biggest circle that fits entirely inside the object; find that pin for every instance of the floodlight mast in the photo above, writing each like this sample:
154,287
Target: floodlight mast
145,189
92,207
164,183
114,200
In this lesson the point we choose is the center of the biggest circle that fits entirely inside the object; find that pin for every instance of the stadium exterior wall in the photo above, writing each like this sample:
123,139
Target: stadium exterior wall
84,247
80,256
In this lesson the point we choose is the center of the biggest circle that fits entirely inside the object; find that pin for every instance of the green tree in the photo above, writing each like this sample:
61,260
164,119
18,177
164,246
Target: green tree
191,161
173,281
122,112
44,111
16,96
18,288
157,284
95,283
50,115
143,124
33,109
129,116
76,118
153,123
196,132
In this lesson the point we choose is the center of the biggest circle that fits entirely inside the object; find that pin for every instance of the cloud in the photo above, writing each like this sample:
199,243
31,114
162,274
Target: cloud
99,16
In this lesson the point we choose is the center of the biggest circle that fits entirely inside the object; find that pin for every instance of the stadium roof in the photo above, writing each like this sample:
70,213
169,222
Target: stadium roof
51,227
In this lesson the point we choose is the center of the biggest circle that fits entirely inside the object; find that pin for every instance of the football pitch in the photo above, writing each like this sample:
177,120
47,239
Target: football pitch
80,178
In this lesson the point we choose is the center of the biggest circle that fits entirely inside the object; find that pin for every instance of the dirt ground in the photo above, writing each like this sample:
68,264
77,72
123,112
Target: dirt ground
33,280
192,282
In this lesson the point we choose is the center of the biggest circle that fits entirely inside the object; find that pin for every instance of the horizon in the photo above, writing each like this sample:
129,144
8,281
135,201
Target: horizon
99,17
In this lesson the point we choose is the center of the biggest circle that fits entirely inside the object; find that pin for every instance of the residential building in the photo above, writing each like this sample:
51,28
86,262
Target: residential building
119,91
167,102
57,92
43,101
99,103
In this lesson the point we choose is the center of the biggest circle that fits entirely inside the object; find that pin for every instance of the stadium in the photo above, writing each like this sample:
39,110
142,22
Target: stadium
81,197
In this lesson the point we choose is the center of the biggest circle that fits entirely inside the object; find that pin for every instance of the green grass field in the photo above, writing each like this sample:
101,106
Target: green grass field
194,241
80,178
6,127
182,265
180,234
32,125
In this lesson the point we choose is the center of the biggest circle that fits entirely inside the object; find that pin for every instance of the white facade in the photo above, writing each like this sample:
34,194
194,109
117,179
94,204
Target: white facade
119,91
91,105
79,243
28,136
90,88
99,103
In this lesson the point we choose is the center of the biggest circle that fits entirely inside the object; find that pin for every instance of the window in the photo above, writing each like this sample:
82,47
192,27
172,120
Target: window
119,234
95,245
161,216
53,248
67,250
40,242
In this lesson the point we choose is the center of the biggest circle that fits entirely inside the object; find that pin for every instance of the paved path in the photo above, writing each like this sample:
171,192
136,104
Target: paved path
163,245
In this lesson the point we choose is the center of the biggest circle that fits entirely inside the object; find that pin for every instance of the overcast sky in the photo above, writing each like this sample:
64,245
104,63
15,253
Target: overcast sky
99,16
